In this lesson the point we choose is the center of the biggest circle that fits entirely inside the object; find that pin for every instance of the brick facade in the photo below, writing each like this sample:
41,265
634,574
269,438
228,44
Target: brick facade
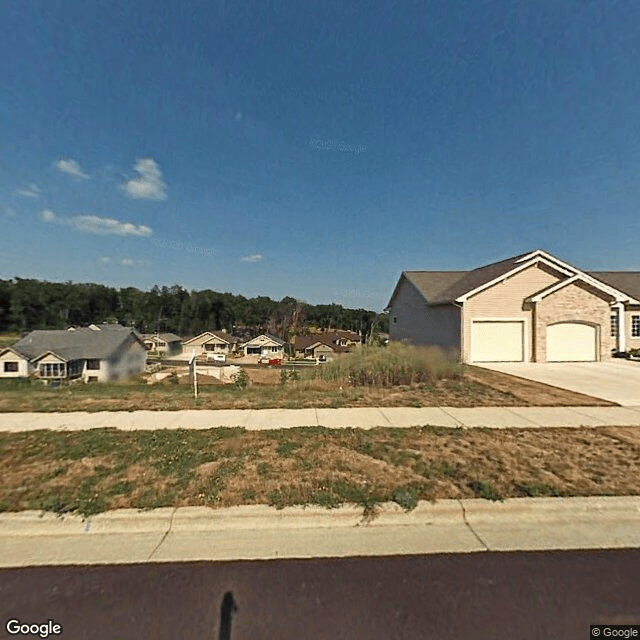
574,303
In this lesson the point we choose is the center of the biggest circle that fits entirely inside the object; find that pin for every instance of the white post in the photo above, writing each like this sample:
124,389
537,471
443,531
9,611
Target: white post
622,336
192,361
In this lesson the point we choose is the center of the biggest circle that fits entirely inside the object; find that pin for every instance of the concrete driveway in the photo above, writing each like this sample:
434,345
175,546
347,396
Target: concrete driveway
616,380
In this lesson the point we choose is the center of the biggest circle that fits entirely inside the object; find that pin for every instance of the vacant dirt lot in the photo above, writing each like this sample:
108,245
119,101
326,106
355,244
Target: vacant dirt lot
477,388
93,471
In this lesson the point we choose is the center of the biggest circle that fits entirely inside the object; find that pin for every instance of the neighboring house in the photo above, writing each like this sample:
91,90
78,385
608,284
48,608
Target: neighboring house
265,345
103,352
212,342
339,341
324,351
165,343
529,308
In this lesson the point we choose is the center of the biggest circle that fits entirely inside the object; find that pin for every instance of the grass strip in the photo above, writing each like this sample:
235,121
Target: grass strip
92,471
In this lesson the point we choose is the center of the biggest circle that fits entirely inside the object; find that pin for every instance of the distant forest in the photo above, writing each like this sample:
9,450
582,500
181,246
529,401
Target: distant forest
27,304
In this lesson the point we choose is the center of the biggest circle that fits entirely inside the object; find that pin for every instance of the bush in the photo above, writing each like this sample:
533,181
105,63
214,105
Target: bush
389,366
241,380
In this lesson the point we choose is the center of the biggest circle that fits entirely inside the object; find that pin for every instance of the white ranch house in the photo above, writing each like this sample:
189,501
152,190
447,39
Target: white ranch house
92,354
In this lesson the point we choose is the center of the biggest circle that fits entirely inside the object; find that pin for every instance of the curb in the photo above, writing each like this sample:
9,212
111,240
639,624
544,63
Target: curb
260,532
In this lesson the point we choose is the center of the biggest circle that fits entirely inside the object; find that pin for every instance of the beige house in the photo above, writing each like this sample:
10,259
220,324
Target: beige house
212,342
338,341
529,308
265,345
93,354
164,343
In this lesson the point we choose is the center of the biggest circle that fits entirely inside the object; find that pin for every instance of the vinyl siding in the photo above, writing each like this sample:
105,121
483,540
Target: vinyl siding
23,366
506,300
419,324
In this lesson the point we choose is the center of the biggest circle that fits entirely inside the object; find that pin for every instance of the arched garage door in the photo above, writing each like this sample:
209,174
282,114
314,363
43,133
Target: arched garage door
571,342
497,341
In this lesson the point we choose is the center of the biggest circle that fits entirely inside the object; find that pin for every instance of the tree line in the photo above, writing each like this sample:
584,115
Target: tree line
27,304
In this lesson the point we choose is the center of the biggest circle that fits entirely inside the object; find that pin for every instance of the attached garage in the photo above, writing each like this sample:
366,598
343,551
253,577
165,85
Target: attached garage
572,342
497,340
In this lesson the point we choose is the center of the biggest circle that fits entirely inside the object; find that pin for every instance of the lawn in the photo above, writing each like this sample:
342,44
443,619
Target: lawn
92,471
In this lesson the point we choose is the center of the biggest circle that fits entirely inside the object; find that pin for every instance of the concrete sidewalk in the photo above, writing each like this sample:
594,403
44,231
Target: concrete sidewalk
363,418
262,532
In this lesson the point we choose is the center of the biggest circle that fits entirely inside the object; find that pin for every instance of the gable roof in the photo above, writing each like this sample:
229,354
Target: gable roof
74,345
271,337
217,335
166,337
447,287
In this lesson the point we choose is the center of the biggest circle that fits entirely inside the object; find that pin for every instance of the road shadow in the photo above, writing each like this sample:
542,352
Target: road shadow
227,609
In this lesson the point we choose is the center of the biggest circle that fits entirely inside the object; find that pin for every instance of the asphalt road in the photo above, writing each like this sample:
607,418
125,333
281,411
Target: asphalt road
506,596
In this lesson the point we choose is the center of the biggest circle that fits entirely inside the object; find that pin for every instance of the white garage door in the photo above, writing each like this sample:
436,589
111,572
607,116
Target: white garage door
497,341
571,342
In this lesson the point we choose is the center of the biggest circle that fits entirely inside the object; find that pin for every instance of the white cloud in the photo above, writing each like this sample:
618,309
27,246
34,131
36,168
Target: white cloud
127,262
9,212
30,191
105,259
98,226
149,186
108,226
254,257
71,167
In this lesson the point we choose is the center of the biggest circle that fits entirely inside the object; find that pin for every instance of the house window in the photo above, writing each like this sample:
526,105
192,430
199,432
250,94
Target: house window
11,367
52,370
92,379
635,326
395,319
614,325
275,349
93,365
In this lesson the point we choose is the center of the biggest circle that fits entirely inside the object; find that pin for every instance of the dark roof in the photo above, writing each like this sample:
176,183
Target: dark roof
431,284
443,287
329,338
626,281
167,337
74,345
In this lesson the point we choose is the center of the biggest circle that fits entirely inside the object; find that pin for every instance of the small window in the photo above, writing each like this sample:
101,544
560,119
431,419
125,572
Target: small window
635,326
93,365
92,379
614,325
275,349
11,367
395,319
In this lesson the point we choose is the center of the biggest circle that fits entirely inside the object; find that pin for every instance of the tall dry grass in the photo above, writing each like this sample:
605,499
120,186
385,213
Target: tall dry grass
391,365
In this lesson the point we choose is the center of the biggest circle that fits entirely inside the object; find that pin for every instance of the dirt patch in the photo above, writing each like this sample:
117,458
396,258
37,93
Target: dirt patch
531,393
266,375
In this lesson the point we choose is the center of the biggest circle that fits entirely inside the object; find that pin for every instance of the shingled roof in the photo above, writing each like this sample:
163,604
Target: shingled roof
77,344
444,287
626,281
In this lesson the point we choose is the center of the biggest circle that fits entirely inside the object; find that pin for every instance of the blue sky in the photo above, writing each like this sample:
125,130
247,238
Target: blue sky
314,149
